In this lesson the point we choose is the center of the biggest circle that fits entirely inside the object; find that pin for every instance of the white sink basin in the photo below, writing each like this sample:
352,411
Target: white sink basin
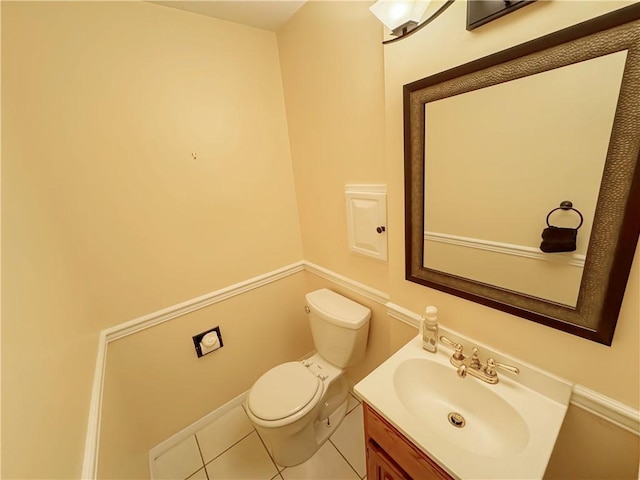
431,392
509,428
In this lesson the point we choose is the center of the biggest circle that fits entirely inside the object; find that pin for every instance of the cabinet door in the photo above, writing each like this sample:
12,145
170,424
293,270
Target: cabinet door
367,221
412,462
381,467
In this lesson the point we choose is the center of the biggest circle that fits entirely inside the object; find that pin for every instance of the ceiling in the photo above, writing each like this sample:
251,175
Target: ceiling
265,14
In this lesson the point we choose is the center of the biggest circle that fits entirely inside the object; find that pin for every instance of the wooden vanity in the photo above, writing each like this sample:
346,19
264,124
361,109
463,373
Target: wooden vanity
391,456
413,401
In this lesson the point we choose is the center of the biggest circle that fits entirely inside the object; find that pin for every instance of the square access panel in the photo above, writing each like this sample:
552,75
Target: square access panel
367,220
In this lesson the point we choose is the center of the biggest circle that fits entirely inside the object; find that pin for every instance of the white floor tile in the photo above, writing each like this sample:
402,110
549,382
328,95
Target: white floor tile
223,433
199,475
178,463
326,464
349,439
246,459
232,449
353,403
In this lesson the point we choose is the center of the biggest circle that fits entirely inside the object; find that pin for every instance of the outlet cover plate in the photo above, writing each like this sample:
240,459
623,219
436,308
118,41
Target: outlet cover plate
198,338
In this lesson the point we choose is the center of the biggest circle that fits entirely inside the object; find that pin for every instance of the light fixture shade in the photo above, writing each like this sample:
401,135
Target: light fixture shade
395,13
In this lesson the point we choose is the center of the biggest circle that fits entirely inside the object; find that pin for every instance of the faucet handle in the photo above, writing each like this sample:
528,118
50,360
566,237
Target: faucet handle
456,346
474,362
490,369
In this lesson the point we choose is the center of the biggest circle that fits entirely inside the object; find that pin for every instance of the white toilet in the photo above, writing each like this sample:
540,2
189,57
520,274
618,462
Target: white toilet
296,406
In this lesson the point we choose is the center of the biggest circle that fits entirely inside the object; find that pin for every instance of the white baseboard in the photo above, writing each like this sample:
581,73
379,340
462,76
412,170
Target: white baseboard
196,426
199,424
90,461
606,408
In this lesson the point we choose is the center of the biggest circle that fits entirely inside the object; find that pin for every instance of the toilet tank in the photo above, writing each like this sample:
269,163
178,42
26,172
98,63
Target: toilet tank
339,327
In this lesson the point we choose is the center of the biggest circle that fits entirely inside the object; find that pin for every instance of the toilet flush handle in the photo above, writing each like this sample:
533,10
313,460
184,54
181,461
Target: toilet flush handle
307,309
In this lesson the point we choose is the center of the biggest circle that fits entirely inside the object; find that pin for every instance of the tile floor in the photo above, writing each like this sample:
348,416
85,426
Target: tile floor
230,448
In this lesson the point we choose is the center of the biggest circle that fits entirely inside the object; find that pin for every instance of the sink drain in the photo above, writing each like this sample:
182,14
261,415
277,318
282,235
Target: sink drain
456,420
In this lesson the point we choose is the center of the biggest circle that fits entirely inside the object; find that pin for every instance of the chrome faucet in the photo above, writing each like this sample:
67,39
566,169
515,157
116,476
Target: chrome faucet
473,366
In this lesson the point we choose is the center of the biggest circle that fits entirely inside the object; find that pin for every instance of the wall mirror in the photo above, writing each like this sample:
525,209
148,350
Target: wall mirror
493,146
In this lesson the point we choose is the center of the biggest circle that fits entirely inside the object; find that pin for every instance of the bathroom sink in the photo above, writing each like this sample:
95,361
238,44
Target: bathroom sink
471,428
462,411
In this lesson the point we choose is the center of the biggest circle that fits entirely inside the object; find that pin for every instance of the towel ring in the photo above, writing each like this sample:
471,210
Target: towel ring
566,205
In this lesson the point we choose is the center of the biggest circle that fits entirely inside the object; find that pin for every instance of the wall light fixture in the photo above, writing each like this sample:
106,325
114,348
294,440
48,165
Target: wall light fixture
404,17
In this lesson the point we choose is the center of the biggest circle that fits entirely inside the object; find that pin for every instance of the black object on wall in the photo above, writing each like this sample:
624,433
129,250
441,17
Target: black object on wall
560,239
480,12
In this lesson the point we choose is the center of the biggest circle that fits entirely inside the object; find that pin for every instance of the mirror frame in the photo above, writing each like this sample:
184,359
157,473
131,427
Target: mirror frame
616,223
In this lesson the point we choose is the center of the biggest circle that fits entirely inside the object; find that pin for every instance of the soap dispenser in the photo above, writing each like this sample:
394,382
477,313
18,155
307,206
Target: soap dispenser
430,329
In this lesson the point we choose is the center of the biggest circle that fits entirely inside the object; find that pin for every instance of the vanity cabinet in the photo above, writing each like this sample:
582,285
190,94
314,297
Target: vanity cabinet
391,456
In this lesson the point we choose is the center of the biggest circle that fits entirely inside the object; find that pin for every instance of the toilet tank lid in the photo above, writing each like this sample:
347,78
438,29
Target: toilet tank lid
337,309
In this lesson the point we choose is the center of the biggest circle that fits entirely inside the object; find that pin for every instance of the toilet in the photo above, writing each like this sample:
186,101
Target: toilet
296,406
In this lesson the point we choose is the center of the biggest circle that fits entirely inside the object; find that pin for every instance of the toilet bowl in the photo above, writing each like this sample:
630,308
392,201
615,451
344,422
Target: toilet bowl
296,406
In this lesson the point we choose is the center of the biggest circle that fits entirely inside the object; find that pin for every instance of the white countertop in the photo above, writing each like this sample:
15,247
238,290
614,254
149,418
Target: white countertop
539,401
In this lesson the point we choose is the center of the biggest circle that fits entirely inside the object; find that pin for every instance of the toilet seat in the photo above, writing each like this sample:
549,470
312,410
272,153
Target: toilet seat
284,391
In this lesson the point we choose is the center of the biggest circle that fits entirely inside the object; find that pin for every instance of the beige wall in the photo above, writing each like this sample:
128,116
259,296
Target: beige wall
551,148
332,73
155,385
309,38
112,99
550,349
106,216
380,343
0,251
589,447
554,279
103,208
443,44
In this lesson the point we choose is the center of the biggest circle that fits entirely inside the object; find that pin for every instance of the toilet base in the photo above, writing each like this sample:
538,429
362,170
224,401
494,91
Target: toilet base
324,429
307,442
293,445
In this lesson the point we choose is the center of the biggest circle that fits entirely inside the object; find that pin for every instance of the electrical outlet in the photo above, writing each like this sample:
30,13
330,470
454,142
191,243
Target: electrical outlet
207,342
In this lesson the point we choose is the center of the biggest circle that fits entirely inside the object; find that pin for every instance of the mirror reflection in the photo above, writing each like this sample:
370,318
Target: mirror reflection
498,159
492,146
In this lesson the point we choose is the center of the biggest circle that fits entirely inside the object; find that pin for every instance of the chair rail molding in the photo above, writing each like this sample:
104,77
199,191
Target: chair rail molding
90,461
606,408
611,410
573,259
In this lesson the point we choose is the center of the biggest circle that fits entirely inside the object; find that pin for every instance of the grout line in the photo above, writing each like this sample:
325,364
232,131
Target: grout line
193,473
264,445
195,427
201,456
269,453
345,458
259,437
611,411
354,407
197,469
227,449
191,476
340,452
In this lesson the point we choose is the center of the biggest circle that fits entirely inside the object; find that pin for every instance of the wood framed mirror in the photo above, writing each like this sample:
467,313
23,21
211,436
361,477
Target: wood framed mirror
447,128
